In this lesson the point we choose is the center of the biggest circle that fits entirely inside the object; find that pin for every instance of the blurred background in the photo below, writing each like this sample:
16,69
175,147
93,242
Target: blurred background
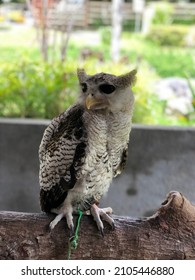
42,42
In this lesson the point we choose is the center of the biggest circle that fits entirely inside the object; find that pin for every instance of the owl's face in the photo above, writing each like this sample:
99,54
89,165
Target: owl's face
106,91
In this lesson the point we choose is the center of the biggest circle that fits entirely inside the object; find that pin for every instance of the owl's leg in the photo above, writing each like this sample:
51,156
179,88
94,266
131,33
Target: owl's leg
69,219
99,213
56,221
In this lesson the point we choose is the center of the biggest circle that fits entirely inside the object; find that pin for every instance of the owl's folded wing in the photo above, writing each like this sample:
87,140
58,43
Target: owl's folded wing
62,154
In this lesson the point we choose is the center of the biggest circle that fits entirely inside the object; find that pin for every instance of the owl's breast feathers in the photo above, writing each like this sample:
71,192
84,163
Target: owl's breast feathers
75,148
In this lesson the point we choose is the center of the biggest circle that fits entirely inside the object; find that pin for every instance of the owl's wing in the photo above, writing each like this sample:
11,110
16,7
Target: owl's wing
124,157
122,162
62,153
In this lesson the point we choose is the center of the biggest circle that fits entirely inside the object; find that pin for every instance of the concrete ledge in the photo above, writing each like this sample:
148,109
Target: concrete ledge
161,159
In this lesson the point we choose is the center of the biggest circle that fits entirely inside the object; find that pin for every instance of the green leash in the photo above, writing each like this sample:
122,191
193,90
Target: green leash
73,241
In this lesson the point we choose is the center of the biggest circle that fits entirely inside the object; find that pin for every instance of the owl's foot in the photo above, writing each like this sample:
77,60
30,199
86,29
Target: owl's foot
69,220
99,213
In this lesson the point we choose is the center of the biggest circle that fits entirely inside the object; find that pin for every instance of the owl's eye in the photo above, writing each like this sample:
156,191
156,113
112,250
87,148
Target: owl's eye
107,88
84,87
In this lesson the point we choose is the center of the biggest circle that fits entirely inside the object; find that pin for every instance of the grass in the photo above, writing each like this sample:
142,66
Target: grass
18,43
166,61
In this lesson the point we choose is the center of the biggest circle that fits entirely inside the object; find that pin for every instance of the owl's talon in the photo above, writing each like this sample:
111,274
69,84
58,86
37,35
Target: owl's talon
55,221
71,232
69,220
113,226
99,213
102,232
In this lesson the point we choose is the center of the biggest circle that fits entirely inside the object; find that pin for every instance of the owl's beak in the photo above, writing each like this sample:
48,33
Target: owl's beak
91,102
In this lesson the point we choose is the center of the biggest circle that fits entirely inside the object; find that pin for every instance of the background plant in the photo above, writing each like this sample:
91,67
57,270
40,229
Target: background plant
164,35
163,13
34,90
30,87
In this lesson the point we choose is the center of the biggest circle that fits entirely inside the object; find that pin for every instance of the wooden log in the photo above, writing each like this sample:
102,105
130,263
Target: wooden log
168,234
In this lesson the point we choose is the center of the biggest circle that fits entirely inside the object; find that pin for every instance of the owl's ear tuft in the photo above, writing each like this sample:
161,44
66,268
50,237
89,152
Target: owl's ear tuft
132,76
128,79
81,74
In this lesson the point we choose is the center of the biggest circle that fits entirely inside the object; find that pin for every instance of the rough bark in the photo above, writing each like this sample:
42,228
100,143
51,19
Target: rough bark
168,234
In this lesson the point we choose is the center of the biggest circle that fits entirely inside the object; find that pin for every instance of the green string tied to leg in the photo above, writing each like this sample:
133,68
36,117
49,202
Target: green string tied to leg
73,241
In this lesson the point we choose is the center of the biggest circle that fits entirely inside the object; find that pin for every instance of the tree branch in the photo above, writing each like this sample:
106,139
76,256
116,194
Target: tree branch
168,234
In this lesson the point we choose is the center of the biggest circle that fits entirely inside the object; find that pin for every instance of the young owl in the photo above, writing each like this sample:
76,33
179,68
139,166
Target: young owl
85,147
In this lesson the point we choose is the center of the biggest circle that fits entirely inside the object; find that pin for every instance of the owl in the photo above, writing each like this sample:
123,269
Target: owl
85,147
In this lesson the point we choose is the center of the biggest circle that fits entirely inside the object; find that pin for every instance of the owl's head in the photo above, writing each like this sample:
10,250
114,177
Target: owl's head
106,91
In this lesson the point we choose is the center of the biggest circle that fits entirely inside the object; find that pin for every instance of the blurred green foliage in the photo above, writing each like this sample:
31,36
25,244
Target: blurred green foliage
168,35
35,89
148,108
32,88
43,90
190,20
165,60
163,13
171,62
129,25
105,35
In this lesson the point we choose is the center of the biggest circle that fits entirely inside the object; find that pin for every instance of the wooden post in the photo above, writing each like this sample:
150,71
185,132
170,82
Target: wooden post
168,234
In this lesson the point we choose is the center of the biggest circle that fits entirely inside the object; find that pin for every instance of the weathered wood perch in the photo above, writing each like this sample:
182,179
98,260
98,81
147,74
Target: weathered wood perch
168,234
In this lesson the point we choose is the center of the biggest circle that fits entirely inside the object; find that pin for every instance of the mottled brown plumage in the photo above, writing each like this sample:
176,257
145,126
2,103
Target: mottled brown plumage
86,146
